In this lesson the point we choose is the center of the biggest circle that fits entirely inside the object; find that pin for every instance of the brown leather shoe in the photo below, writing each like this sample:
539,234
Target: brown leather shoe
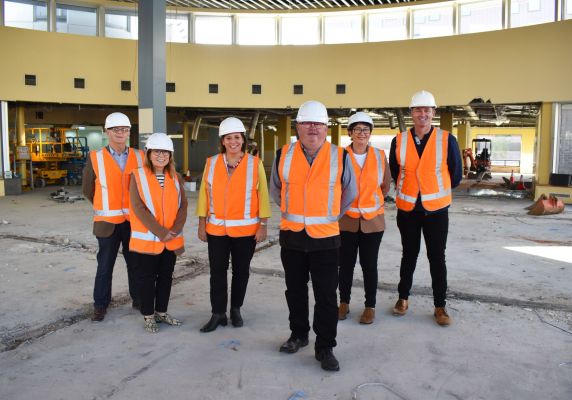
343,311
400,308
368,316
98,314
442,317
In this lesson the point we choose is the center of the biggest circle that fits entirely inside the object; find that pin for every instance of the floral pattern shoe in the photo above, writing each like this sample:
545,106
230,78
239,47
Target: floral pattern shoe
151,325
166,318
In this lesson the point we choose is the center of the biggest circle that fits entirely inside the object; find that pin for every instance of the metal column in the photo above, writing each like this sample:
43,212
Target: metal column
151,61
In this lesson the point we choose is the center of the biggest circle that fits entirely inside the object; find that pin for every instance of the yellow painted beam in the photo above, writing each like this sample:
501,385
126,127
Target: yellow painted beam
544,145
336,132
21,138
463,135
446,121
186,143
284,130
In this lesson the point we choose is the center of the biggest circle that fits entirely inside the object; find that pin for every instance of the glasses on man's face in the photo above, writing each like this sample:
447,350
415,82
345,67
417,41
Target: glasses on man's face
160,152
359,131
307,124
120,129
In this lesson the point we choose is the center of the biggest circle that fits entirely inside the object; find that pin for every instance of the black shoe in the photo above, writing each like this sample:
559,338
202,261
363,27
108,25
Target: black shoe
292,345
98,314
236,318
216,320
327,359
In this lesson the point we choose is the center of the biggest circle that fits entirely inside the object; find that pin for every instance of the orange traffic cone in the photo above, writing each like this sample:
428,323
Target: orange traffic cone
511,177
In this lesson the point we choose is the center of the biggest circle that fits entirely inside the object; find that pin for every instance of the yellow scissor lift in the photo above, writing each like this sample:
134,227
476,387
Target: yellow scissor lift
56,155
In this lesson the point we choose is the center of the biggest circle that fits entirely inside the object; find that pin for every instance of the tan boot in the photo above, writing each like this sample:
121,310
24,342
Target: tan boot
400,308
343,311
442,317
368,316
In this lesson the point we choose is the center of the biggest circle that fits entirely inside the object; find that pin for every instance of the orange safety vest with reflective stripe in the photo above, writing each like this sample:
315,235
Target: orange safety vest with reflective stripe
164,203
232,199
428,175
111,196
310,195
369,201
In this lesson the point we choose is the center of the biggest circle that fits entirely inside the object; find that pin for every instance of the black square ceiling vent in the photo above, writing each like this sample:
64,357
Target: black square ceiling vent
126,86
213,87
256,89
298,89
30,80
171,87
341,88
79,83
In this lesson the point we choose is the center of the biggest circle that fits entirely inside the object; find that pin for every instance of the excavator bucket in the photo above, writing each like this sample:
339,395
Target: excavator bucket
546,206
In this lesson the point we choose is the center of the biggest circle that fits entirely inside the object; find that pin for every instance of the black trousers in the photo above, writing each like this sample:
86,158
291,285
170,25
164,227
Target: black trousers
322,265
435,228
221,248
155,276
106,256
368,246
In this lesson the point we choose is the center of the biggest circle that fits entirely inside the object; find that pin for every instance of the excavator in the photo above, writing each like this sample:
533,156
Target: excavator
477,164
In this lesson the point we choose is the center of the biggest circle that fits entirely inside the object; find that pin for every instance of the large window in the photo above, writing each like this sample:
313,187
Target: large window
210,29
564,132
256,30
432,22
568,9
74,19
480,16
177,27
26,14
391,25
343,29
300,30
505,150
530,12
120,24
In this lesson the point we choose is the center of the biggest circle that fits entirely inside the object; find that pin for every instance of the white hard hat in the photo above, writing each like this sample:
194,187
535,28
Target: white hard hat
422,99
159,141
116,119
231,125
312,111
360,116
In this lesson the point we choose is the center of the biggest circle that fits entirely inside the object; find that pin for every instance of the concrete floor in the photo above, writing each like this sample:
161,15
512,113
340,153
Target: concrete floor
509,296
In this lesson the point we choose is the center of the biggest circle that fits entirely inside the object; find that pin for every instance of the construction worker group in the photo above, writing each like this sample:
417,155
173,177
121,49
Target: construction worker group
331,209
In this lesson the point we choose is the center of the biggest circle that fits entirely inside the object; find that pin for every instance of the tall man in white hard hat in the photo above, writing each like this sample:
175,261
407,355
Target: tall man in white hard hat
425,164
106,179
314,184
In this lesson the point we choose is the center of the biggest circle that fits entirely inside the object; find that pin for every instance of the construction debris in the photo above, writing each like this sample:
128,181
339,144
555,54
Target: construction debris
546,206
63,196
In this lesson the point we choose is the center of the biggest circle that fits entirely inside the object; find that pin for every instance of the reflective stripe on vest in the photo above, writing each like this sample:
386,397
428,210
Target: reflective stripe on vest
148,200
442,191
106,212
380,173
249,187
301,219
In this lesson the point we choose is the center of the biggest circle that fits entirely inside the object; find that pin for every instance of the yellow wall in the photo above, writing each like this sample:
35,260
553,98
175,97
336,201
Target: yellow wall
507,66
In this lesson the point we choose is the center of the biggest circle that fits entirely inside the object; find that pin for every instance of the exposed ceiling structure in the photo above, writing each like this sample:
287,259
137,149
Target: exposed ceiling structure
275,5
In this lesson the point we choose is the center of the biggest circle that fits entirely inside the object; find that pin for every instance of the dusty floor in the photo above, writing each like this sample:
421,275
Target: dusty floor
509,288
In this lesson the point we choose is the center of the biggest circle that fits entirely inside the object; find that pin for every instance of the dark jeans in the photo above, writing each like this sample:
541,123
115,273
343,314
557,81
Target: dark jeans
106,256
368,246
322,265
155,276
435,228
221,248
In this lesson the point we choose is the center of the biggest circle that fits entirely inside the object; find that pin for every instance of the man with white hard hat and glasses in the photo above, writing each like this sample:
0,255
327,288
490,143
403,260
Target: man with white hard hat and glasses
425,164
105,182
314,184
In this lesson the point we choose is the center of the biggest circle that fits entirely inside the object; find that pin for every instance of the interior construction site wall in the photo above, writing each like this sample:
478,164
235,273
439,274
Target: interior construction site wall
507,66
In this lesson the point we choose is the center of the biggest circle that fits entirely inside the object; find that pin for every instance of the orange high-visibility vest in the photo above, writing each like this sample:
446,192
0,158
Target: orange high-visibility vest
111,196
369,201
428,175
164,203
311,195
232,200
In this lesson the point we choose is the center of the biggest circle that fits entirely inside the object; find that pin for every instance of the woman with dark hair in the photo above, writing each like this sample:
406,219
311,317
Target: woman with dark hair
362,226
233,208
158,211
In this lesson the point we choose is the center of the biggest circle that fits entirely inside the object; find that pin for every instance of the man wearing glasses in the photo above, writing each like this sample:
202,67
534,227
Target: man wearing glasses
106,185
314,184
425,164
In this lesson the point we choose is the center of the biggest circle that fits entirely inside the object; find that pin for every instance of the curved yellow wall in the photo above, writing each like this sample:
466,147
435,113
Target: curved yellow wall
508,66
